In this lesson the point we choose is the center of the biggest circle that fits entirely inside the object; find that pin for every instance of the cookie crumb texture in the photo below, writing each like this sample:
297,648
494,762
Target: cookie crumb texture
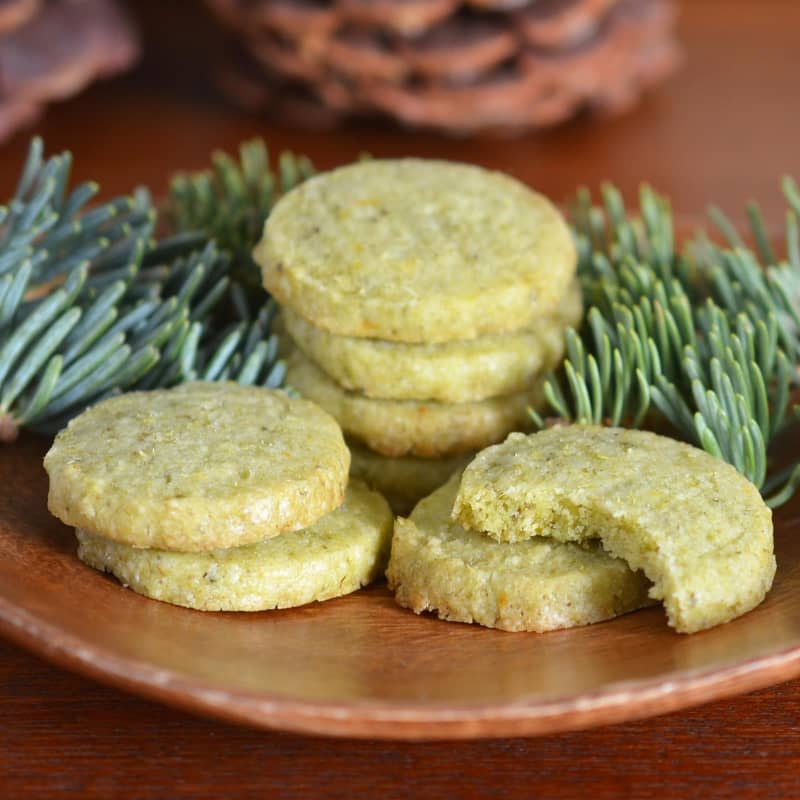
534,585
343,551
199,467
696,527
416,250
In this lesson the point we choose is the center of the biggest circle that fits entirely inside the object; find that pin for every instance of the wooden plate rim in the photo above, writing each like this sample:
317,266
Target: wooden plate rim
621,701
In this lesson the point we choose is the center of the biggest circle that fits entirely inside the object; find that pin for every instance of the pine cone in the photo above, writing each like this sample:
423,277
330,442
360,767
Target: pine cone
51,49
461,66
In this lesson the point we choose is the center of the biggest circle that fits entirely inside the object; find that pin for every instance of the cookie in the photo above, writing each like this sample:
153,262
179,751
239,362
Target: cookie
411,427
416,251
338,554
448,372
406,480
535,585
199,467
696,527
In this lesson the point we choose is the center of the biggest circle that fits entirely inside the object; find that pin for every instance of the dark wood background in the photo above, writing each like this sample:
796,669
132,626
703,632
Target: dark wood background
722,132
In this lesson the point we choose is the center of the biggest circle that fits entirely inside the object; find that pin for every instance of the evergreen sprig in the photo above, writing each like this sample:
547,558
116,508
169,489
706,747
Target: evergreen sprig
91,304
705,338
230,202
245,352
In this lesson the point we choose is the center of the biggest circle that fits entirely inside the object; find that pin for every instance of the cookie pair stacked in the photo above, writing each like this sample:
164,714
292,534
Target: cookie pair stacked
218,497
581,523
425,300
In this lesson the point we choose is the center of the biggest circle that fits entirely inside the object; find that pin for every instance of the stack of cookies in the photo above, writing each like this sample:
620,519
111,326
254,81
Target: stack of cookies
218,497
424,300
581,523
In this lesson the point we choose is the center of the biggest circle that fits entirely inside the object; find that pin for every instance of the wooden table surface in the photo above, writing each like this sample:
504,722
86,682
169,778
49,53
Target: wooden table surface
723,131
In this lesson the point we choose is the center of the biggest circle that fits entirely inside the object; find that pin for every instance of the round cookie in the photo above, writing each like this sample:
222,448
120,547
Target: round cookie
406,480
198,467
411,427
448,372
696,527
535,585
416,250
338,554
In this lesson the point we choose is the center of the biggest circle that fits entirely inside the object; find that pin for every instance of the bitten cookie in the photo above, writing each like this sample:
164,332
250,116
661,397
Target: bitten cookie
696,527
198,467
448,372
534,585
413,250
410,427
338,554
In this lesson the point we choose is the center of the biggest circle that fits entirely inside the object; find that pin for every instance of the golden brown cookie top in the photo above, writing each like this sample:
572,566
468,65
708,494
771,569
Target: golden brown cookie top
416,251
198,467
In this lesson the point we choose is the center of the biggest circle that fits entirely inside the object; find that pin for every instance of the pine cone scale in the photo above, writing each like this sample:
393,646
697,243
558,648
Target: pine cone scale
463,50
298,19
15,13
355,54
406,17
551,24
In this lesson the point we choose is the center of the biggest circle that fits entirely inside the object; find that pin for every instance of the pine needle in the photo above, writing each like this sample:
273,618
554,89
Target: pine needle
706,338
91,304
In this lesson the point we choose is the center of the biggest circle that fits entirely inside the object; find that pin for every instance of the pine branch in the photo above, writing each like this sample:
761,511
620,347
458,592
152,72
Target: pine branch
246,353
757,280
230,202
91,305
706,339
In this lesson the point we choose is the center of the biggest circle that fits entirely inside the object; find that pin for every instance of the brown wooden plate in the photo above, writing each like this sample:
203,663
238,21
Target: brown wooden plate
361,666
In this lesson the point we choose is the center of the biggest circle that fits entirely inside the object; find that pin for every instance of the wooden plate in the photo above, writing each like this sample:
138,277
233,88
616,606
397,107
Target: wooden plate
361,666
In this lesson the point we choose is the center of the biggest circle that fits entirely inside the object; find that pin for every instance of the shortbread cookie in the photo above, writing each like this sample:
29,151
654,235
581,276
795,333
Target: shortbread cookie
406,480
696,527
411,427
535,585
416,251
198,467
448,372
338,554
